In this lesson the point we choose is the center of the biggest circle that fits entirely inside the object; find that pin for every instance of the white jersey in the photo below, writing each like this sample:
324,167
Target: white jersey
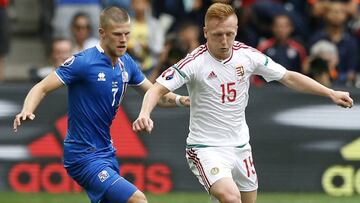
218,92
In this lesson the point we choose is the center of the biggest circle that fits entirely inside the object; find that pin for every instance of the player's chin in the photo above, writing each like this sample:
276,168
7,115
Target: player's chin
120,52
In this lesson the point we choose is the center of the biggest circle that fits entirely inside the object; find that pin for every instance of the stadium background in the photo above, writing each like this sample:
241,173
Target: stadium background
317,150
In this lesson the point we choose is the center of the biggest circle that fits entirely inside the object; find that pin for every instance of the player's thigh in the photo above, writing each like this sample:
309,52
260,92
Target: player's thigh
210,164
248,197
122,191
225,190
137,197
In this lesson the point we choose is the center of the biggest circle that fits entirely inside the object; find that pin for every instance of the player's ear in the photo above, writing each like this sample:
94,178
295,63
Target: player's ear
101,32
205,32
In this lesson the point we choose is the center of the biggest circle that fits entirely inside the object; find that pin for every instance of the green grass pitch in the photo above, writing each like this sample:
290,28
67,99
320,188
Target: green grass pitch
177,197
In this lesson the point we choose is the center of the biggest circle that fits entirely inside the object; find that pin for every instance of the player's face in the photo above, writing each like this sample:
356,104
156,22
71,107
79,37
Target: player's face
114,38
220,36
282,27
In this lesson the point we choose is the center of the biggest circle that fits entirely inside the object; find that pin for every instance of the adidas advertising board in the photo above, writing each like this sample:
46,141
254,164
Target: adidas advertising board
301,143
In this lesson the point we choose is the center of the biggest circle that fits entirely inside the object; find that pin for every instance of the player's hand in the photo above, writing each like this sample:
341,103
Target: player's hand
143,123
23,116
185,100
342,99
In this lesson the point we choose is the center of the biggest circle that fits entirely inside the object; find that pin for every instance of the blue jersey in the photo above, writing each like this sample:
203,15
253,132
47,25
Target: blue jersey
95,91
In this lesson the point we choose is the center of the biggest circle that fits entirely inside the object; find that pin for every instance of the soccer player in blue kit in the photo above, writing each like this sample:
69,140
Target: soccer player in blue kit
97,79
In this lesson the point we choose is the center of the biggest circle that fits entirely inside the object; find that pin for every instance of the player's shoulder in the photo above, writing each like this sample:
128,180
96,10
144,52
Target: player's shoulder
128,61
197,56
126,58
81,58
87,55
242,49
240,46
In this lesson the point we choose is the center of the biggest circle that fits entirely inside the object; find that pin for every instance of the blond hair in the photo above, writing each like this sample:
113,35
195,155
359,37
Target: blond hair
220,11
113,14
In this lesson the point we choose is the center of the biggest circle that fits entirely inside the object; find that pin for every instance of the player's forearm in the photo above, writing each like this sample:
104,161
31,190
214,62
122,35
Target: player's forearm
150,100
168,100
33,99
305,84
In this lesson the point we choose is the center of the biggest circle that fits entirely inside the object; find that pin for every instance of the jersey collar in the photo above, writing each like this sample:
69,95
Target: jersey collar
221,61
99,48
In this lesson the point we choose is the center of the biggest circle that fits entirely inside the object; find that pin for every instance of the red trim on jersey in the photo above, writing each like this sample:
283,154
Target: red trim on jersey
299,48
239,45
191,57
196,161
197,50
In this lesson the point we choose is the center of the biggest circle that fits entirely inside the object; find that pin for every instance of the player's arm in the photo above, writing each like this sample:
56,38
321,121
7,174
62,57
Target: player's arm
305,84
168,100
151,98
34,97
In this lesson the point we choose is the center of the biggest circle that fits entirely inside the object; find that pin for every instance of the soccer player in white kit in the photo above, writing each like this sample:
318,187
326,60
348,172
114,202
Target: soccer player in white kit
217,76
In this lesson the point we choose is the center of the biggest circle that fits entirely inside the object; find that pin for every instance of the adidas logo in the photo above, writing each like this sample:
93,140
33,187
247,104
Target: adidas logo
212,75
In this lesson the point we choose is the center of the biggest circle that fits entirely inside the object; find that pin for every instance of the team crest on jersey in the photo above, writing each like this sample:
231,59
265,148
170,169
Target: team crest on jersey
101,76
103,175
125,76
240,70
168,74
68,61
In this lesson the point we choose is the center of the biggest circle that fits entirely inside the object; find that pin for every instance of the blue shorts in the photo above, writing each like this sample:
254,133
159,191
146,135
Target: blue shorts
101,180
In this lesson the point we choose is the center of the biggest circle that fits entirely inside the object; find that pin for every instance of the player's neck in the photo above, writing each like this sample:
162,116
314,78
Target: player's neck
112,58
220,58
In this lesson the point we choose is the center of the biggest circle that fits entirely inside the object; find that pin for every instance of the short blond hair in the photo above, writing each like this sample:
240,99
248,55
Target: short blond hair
113,14
220,11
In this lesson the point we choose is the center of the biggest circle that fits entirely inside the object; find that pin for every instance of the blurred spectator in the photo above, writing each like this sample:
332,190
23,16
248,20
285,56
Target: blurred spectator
45,18
147,36
169,12
177,45
61,50
335,31
65,11
263,12
171,54
281,47
188,36
327,51
319,6
319,71
197,14
4,36
245,32
125,4
82,33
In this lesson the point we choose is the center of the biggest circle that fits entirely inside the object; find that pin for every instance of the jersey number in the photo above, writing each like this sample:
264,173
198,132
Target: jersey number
114,91
228,92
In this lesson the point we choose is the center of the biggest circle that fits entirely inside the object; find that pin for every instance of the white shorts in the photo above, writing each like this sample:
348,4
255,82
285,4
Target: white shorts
209,164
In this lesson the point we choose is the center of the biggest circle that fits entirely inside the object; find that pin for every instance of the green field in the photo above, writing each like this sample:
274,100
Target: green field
177,198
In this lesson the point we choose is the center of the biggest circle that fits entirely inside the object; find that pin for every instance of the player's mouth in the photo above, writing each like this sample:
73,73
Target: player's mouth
122,47
224,49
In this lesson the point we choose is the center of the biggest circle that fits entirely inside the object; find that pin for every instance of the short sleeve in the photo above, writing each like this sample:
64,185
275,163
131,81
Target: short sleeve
266,67
175,77
70,71
137,77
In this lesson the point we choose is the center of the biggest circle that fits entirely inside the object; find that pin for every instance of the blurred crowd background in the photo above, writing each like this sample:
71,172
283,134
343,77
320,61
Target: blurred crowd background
320,38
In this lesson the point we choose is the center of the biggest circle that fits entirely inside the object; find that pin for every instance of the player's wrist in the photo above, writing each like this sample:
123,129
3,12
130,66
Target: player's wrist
177,101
